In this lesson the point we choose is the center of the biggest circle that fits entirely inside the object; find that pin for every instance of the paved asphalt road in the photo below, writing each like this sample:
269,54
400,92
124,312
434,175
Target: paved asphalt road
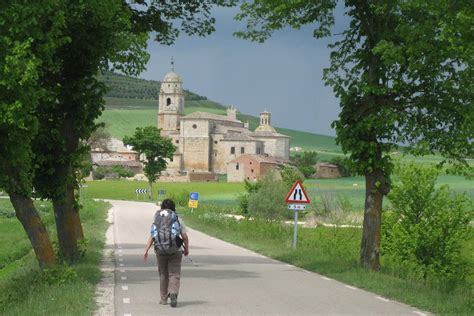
227,280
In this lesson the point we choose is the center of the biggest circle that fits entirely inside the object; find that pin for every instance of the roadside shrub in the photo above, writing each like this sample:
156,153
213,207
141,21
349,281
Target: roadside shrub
305,162
243,199
332,209
424,230
268,202
180,198
111,172
58,275
122,171
99,173
289,175
345,166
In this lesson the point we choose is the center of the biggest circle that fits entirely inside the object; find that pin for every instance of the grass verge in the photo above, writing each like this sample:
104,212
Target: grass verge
334,252
25,289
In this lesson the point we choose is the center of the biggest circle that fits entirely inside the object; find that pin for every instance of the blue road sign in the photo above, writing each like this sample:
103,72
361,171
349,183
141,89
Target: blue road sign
194,196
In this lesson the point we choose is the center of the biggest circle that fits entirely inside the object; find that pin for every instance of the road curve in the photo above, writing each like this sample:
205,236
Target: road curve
224,279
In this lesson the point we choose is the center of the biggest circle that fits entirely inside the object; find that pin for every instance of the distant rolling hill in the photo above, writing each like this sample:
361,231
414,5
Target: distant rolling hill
132,102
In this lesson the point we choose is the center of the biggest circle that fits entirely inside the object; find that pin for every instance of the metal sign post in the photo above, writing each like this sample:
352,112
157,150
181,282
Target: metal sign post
295,231
297,200
193,200
141,191
161,193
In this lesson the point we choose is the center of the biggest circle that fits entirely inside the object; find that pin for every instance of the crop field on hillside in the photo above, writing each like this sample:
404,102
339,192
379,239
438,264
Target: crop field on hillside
122,121
122,103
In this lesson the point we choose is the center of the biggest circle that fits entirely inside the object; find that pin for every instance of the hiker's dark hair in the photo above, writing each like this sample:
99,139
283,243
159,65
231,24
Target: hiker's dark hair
168,204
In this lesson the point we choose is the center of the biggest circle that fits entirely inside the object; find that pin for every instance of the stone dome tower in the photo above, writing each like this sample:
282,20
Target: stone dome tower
265,125
170,102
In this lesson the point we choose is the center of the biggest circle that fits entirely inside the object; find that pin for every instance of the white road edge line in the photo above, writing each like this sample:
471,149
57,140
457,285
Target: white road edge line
124,287
351,287
121,264
382,299
123,278
419,313
126,300
326,278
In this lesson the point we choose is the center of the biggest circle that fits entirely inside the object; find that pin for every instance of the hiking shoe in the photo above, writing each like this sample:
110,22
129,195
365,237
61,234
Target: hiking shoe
174,299
164,302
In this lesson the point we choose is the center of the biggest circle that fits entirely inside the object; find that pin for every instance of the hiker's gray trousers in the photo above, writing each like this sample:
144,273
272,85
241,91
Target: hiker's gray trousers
169,267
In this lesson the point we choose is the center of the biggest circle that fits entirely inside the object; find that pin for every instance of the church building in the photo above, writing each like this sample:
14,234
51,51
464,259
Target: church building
207,142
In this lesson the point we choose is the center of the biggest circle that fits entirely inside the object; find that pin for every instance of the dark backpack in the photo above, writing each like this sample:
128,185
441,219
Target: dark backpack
165,232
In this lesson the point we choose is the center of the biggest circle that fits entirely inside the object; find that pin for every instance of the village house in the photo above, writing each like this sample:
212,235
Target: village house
250,167
116,154
325,170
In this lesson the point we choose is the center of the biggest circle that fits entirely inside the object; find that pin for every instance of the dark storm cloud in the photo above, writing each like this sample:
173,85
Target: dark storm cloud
283,75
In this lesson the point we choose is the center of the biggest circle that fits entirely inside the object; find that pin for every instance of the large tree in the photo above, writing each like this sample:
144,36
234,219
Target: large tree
98,32
147,141
26,47
45,138
402,71
104,34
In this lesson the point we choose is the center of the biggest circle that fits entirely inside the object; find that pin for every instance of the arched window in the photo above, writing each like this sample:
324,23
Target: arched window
168,101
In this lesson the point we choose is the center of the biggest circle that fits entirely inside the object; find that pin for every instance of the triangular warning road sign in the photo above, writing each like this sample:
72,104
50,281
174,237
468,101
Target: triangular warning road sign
297,194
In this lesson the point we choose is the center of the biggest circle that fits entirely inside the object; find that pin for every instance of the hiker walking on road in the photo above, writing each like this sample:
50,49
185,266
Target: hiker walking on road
168,234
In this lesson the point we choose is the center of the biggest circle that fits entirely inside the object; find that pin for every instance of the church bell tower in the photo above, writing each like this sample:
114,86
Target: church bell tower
170,102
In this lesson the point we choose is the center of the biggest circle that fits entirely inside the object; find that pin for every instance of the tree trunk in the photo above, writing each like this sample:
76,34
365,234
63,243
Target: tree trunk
150,187
35,229
376,186
68,225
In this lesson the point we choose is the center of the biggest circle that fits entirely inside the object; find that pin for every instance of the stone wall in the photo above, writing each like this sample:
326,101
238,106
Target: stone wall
327,171
194,144
278,147
202,177
248,168
234,174
224,155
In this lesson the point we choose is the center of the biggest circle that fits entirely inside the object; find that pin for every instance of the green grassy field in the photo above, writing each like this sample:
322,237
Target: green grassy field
149,104
24,289
351,188
13,242
125,190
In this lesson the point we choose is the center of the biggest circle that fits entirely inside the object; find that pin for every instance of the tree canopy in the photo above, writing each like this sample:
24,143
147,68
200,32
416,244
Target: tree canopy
26,46
50,55
402,71
147,141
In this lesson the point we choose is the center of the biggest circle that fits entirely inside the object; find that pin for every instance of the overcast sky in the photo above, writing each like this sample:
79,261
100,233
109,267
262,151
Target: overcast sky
282,75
